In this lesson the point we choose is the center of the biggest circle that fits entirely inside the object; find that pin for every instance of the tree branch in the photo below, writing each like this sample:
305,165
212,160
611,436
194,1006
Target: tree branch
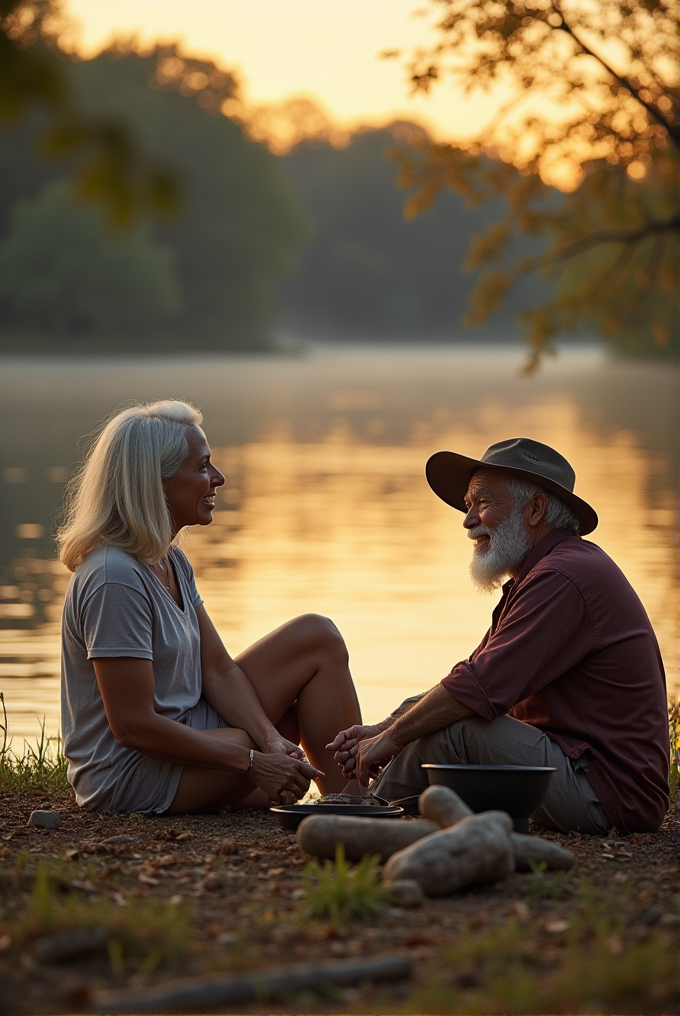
602,237
673,130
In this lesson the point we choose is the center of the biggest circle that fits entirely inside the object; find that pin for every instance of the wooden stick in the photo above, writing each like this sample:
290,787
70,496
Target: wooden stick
213,992
320,834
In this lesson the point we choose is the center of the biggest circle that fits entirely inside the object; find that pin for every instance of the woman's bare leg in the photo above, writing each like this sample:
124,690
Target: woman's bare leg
306,660
301,675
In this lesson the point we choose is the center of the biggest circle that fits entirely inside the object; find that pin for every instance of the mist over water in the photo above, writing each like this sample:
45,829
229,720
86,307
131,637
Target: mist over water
325,506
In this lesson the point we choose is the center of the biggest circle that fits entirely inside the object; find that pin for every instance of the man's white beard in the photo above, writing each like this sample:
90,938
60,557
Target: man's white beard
507,548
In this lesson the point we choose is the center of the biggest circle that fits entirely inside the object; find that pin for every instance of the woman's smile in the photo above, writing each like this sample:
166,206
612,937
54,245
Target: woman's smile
190,493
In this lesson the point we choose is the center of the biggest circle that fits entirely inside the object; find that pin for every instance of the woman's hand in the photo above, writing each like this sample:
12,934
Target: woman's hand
346,743
278,745
283,778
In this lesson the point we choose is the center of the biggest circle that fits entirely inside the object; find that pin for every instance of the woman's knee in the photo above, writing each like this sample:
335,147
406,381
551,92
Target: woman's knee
320,633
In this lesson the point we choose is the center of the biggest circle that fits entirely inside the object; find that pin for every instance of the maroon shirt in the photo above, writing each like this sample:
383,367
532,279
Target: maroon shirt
572,651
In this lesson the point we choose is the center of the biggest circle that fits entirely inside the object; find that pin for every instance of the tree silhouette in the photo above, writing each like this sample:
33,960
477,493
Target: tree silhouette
107,163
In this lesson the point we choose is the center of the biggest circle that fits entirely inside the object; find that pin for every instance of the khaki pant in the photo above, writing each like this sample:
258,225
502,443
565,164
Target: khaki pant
571,802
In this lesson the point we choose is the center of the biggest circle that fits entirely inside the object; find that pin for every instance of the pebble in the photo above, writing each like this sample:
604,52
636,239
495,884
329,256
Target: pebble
406,892
44,820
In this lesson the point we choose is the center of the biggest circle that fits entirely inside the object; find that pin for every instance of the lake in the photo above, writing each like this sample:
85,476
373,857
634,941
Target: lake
325,506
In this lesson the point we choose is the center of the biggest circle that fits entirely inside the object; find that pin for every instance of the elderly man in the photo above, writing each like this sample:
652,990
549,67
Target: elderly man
569,674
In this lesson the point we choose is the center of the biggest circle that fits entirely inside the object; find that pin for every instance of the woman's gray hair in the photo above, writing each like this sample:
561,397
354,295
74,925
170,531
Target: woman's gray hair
117,498
557,513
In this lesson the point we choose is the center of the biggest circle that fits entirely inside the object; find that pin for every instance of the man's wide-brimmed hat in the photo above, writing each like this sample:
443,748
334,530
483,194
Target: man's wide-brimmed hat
449,473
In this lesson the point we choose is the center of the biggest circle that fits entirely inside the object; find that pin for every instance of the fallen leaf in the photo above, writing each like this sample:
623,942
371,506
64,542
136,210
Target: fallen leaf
148,880
416,939
84,887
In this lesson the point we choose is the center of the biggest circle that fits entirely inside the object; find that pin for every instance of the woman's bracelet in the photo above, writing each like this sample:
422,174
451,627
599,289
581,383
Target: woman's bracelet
251,759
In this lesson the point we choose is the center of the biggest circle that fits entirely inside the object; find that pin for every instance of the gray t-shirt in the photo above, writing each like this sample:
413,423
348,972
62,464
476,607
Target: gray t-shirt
115,606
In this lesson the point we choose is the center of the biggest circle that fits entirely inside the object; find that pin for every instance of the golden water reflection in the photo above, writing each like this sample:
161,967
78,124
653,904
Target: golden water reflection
344,524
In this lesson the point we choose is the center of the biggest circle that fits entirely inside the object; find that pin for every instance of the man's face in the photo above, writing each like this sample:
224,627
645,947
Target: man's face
496,526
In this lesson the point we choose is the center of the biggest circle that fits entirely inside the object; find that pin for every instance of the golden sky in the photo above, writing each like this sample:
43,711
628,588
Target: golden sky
323,49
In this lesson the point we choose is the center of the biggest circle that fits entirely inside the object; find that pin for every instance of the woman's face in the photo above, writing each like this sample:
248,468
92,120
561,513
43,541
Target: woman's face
190,493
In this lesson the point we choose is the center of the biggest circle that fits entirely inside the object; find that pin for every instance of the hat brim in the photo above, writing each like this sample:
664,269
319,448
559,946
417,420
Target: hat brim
449,475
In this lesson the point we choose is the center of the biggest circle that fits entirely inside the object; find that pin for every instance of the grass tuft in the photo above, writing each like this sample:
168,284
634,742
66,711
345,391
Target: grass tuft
598,963
541,883
142,936
674,723
41,768
339,891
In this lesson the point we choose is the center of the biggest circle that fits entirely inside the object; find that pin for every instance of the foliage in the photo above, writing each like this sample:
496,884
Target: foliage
42,767
62,272
240,223
593,99
109,165
340,892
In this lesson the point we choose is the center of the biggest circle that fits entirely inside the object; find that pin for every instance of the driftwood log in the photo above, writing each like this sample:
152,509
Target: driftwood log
532,850
199,994
442,805
477,849
320,834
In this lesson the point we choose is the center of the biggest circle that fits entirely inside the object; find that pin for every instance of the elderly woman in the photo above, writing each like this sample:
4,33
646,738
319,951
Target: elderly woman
156,715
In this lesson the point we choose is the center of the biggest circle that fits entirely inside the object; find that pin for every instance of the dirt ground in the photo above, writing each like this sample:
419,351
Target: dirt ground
190,896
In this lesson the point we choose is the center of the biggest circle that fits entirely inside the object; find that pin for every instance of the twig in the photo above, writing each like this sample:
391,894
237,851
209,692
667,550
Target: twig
212,992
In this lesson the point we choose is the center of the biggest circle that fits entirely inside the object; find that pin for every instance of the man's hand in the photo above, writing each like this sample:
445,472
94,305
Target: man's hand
373,753
345,746
283,778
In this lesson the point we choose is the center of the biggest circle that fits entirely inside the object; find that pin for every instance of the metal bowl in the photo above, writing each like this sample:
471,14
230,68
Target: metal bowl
289,816
518,790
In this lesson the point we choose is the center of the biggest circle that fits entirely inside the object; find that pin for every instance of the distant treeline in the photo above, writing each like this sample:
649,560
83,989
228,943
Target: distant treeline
313,243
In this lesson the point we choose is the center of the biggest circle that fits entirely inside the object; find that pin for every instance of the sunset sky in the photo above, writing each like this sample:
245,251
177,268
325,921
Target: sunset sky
327,50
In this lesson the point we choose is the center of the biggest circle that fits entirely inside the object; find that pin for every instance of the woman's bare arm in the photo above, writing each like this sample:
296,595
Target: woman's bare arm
126,685
230,692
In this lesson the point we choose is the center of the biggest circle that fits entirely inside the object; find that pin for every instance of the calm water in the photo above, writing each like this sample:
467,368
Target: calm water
325,507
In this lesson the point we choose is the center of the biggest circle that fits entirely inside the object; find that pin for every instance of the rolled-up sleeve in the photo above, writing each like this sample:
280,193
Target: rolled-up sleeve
542,633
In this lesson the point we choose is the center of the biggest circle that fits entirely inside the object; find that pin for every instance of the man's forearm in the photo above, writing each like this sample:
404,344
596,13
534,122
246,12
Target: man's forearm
431,711
404,707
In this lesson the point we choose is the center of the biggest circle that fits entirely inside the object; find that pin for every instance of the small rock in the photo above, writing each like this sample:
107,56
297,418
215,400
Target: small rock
69,945
406,892
653,915
227,846
44,820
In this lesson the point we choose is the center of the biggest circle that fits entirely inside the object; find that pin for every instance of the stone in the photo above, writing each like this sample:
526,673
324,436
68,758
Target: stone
406,892
44,820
